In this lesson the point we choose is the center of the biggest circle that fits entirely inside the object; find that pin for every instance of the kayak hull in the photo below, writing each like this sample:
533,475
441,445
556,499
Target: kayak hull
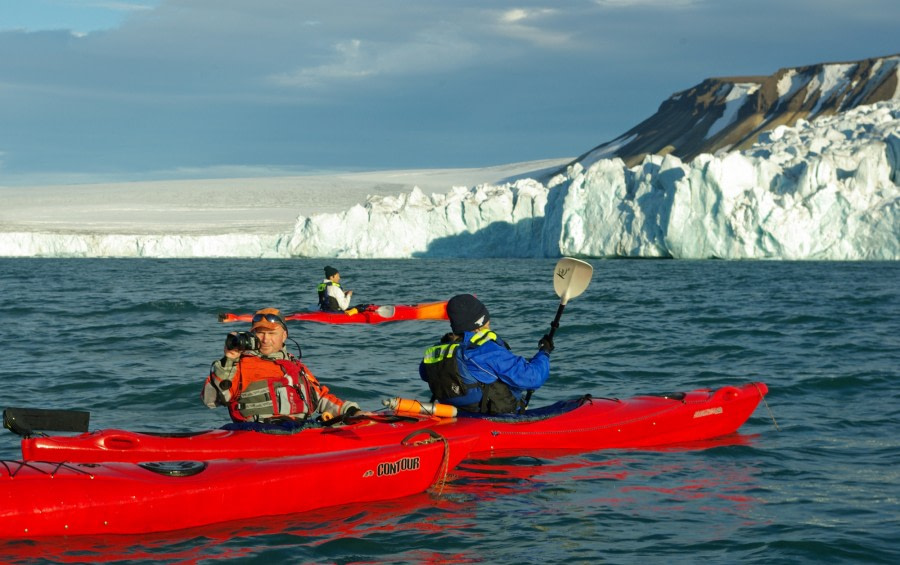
51,499
583,424
397,313
642,421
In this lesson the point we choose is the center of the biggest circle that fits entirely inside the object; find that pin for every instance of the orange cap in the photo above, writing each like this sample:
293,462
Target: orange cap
268,318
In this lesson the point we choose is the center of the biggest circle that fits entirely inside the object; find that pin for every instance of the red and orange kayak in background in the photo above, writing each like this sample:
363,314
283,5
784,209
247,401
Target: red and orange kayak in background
370,314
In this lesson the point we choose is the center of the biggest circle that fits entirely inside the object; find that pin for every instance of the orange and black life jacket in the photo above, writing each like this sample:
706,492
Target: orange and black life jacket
272,388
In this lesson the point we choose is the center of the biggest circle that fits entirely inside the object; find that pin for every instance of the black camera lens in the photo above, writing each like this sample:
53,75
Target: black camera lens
242,341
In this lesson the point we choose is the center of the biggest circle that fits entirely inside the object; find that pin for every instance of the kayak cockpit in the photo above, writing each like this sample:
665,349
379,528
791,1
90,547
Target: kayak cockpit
537,414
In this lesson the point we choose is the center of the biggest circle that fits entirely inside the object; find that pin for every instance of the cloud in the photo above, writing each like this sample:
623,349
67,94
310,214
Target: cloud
134,6
661,4
430,51
350,63
526,25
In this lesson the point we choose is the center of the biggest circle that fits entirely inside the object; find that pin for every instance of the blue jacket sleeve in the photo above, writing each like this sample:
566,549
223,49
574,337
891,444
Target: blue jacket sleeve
493,360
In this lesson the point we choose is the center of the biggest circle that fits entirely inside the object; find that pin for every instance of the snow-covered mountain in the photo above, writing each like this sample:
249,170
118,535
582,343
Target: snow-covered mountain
723,114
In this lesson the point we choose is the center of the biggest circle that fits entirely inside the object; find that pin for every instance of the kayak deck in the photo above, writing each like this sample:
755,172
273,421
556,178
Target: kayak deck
232,441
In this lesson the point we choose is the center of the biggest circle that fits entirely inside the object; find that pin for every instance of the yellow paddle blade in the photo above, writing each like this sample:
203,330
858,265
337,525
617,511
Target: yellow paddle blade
571,277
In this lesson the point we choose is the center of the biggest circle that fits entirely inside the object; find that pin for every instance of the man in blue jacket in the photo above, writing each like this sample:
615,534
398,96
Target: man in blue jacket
474,370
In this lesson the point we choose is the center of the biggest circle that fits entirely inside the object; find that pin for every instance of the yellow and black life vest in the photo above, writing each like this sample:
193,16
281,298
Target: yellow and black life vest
446,382
328,303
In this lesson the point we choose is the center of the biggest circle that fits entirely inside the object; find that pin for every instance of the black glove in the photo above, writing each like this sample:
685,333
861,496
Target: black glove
546,344
352,411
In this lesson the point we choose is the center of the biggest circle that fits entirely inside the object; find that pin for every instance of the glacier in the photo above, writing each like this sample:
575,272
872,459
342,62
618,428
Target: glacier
828,189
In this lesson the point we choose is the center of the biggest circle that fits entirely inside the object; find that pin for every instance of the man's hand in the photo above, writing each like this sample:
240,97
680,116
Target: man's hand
546,344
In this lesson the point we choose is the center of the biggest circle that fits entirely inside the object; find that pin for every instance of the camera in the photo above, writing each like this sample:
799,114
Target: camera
242,341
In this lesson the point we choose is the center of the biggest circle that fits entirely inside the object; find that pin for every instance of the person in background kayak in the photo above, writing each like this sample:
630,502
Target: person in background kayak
333,298
259,380
474,370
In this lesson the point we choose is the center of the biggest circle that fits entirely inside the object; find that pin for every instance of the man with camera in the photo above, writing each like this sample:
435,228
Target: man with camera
260,381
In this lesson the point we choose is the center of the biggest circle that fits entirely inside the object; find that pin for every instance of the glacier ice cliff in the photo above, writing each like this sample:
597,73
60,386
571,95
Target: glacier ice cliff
826,189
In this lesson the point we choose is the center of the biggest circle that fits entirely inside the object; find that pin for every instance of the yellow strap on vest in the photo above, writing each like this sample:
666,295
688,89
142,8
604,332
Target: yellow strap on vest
479,338
438,353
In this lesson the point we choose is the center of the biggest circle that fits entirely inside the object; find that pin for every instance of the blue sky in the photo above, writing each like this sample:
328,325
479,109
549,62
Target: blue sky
95,90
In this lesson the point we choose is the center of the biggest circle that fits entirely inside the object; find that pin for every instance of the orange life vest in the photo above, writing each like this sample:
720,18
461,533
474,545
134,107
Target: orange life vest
268,388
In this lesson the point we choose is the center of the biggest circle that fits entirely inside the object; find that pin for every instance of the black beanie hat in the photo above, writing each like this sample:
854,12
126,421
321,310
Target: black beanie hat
330,272
466,313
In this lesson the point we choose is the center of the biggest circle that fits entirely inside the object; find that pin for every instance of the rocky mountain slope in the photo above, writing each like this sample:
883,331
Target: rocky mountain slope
729,113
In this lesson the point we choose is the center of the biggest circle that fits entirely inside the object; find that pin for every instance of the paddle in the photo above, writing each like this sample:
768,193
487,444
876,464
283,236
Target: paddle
570,278
24,421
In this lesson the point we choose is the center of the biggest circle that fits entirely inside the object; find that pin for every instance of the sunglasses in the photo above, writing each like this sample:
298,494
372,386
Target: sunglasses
273,318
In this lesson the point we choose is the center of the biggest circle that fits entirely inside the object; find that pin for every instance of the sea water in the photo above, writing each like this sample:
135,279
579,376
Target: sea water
812,477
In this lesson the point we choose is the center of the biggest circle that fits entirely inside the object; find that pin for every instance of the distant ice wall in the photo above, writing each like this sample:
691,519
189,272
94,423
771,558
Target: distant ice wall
822,190
36,244
502,221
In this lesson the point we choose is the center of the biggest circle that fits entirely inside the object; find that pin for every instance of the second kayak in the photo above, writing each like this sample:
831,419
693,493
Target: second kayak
582,423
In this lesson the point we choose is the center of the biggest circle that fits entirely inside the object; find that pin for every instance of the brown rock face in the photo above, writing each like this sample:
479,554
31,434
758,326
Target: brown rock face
730,113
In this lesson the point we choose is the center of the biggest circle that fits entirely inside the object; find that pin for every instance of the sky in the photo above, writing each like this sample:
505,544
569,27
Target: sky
127,90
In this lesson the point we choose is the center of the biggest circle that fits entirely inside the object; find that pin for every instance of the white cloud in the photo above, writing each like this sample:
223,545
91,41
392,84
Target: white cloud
429,51
525,24
648,3
519,14
134,6
349,65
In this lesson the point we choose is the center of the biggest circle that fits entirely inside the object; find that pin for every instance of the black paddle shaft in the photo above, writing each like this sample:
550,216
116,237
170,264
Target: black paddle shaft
555,323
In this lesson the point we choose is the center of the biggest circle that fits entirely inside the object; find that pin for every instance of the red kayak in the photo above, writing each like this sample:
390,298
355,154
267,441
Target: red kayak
584,423
51,499
370,314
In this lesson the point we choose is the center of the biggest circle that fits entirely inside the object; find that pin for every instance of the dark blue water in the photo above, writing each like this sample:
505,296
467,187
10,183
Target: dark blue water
131,341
